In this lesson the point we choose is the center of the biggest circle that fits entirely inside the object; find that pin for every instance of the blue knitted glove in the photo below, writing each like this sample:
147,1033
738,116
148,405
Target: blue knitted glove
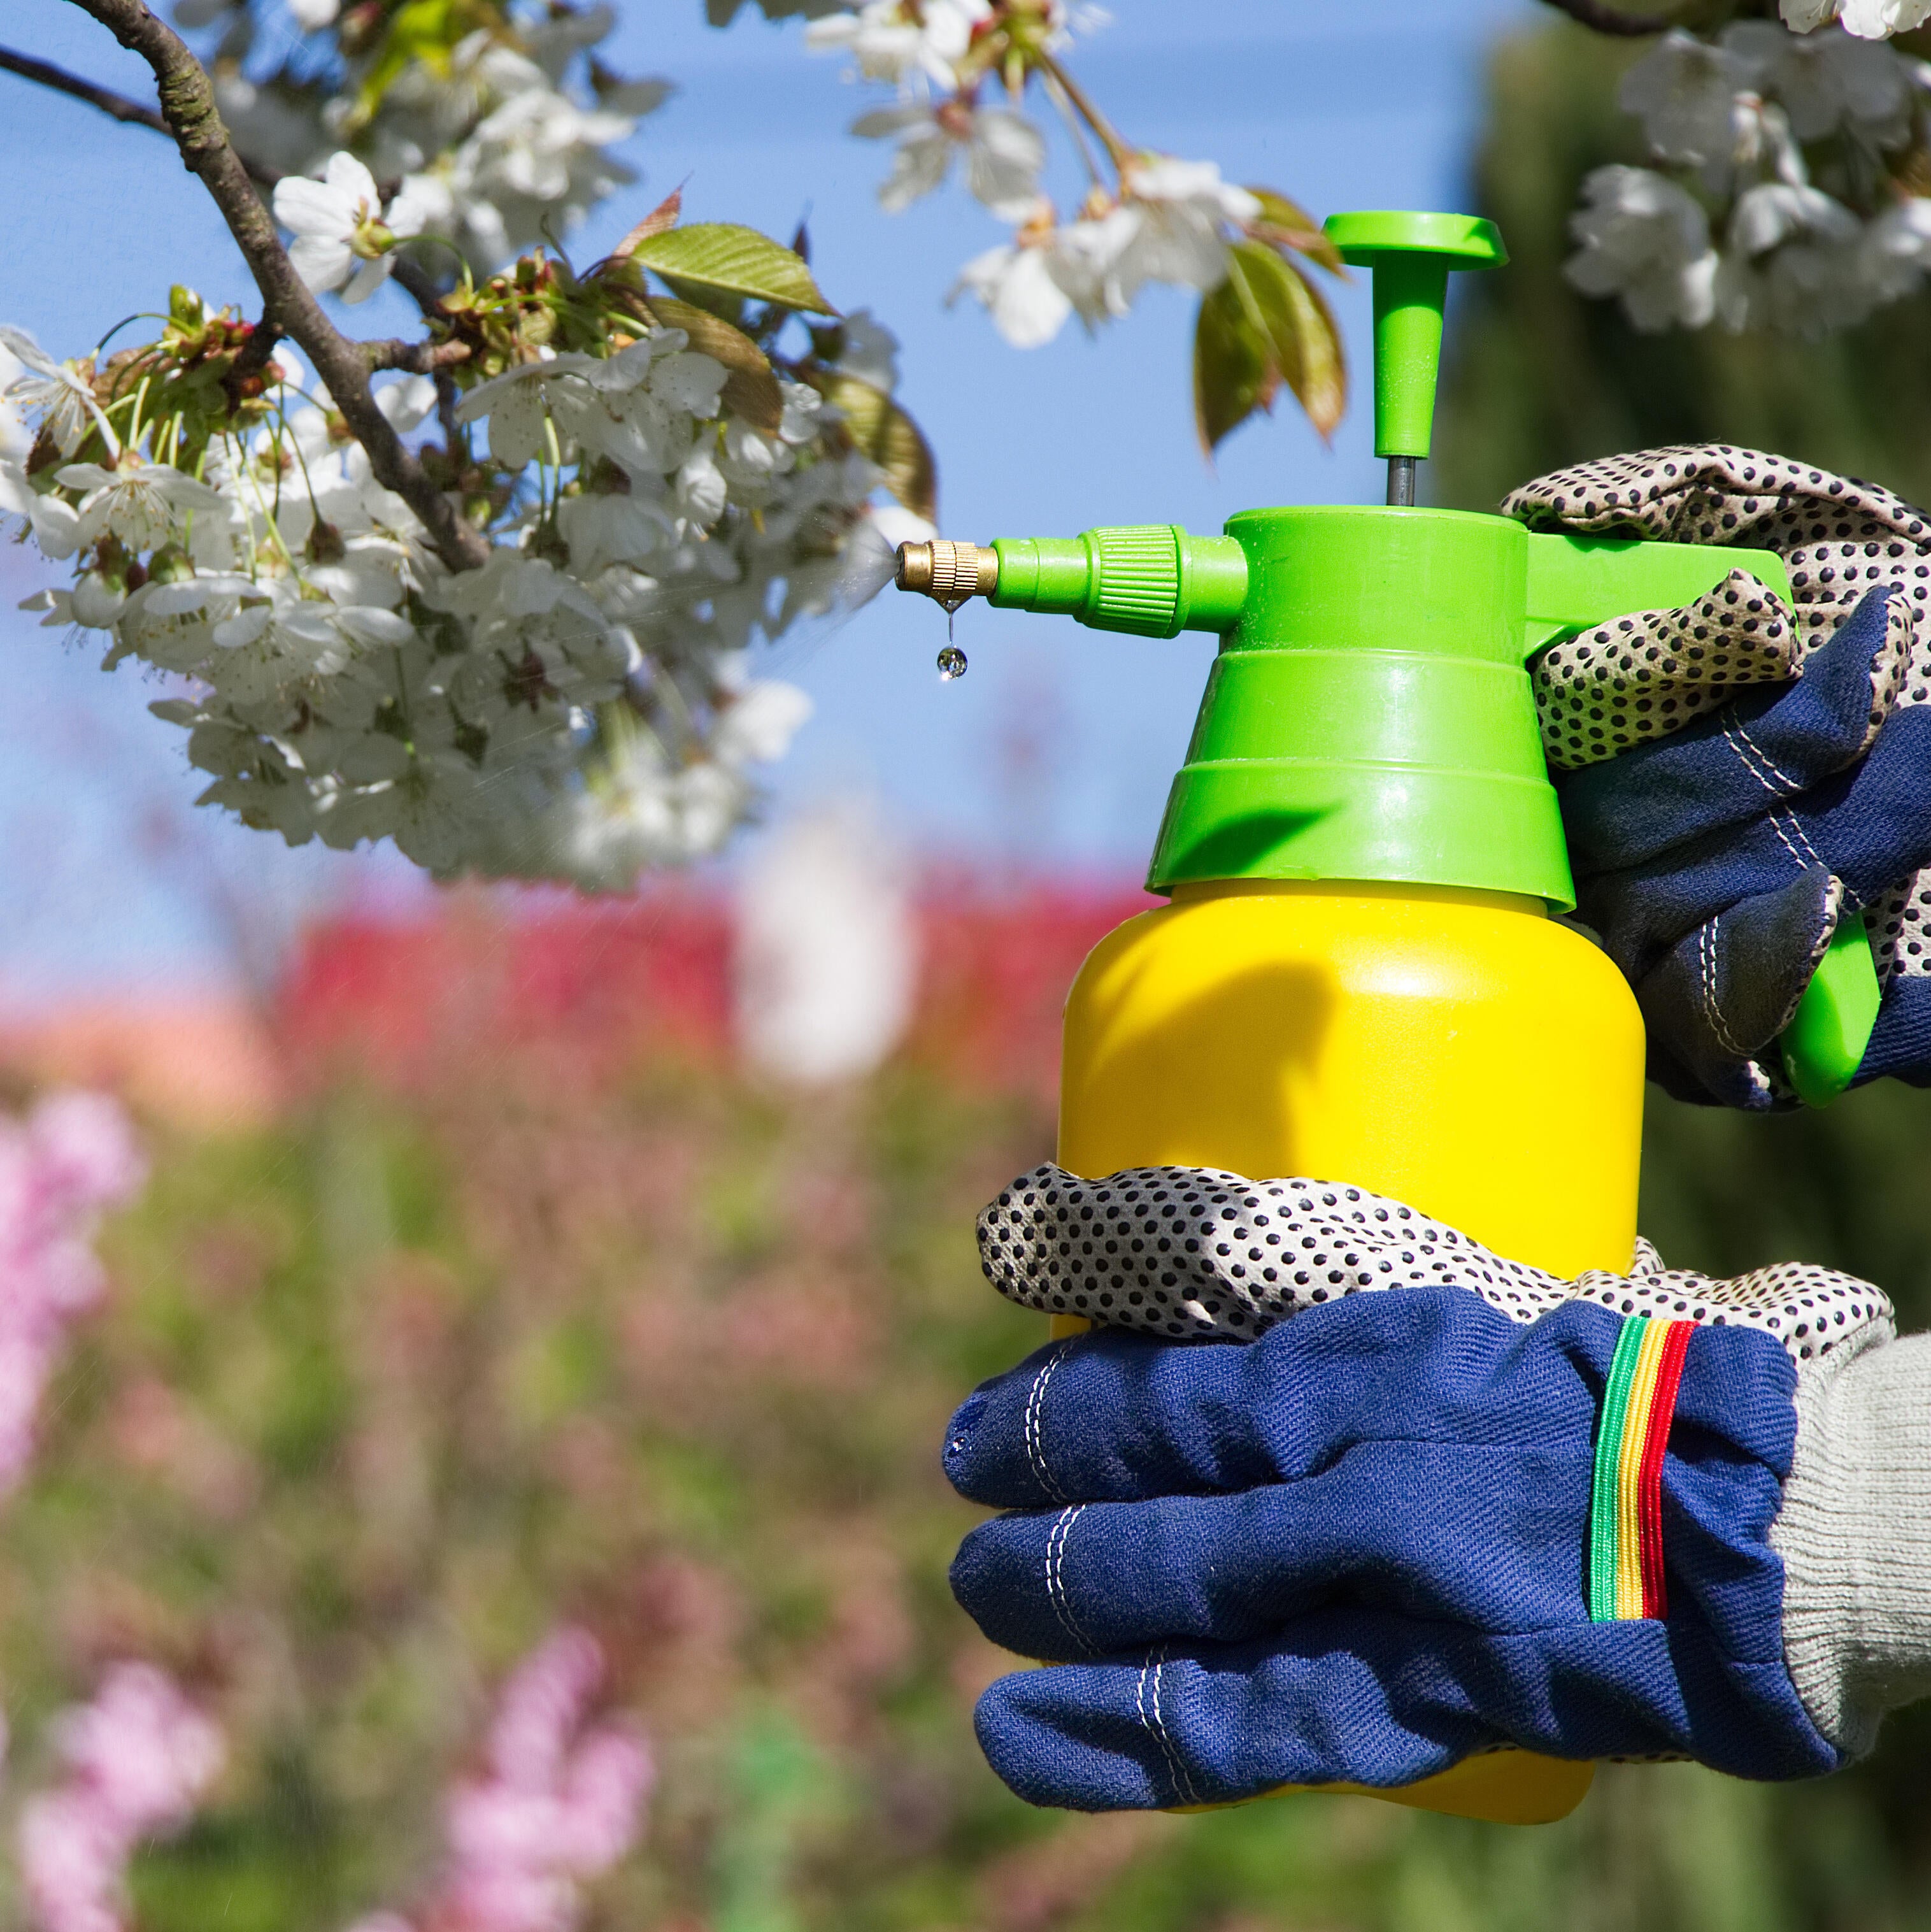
1716,860
1398,1529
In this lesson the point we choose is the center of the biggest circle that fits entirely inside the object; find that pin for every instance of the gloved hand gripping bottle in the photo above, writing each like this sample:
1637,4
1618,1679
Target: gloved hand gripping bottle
1360,976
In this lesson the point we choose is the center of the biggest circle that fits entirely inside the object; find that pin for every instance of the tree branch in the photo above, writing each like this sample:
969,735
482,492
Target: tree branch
1600,18
419,358
115,106
288,306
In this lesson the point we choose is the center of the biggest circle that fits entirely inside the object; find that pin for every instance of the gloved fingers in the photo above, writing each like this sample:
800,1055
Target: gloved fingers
1112,1414
1757,755
1718,999
1900,1043
1713,493
1345,1696
1184,1252
1116,1417
1653,672
1454,1532
1865,826
1872,824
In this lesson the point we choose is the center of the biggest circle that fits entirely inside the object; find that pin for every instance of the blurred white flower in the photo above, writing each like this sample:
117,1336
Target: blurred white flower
1005,153
343,240
1018,284
1896,249
895,40
1183,209
1647,241
312,15
827,954
1795,260
1869,20
1826,81
870,351
1776,211
1693,101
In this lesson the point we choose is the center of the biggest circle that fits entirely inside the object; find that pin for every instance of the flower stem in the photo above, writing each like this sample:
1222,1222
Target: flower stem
1117,151
1057,94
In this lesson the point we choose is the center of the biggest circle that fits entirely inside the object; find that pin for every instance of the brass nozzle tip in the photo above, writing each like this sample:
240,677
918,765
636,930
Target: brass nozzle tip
947,572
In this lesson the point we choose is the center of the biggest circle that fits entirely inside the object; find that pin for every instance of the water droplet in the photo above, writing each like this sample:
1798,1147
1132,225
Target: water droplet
951,664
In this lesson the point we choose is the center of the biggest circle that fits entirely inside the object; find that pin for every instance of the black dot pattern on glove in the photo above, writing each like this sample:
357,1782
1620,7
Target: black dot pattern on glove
1900,925
1184,1251
1839,538
1650,673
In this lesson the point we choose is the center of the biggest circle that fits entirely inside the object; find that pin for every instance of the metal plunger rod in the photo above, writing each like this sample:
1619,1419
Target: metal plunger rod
1401,482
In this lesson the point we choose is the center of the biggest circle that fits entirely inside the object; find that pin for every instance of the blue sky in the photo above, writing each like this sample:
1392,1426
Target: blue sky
1055,750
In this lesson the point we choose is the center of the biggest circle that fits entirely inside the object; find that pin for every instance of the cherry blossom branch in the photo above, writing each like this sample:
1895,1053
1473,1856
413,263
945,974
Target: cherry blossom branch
418,358
1601,19
115,106
288,307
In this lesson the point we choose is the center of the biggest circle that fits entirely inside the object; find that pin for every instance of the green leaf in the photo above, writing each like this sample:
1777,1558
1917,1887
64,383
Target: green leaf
1307,344
739,261
1233,372
1263,326
886,434
1288,225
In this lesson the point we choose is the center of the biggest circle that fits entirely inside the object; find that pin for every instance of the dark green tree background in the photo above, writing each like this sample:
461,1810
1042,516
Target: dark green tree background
1541,377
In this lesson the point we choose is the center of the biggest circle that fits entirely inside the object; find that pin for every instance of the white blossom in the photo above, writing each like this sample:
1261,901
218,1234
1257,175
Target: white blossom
1793,259
1825,82
1869,19
870,351
894,41
1017,283
343,240
1694,102
1646,241
61,394
1004,152
141,503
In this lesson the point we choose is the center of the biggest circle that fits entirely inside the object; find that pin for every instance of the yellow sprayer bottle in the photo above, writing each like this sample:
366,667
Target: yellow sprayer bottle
1361,975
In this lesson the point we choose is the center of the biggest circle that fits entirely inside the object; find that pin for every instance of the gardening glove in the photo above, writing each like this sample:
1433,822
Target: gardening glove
1644,1515
1736,775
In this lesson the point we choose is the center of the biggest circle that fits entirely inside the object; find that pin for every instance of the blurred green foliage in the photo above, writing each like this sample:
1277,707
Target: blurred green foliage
385,1390
1540,377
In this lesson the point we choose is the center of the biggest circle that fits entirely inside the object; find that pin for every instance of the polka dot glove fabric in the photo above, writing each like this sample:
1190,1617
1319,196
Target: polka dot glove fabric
1190,1251
1369,1544
1735,775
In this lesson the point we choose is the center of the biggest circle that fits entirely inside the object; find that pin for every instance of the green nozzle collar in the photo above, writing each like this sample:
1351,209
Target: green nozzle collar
1151,579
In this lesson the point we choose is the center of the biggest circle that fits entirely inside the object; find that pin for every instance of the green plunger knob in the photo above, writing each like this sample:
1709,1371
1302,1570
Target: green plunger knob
1410,255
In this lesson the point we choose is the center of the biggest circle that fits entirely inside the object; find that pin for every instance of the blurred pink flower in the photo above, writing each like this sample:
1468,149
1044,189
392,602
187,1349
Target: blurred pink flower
561,1804
137,1758
73,1157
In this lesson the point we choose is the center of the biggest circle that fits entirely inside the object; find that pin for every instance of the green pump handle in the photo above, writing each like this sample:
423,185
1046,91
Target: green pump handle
1411,255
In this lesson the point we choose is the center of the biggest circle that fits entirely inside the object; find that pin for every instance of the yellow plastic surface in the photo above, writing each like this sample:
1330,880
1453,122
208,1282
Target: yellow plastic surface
1459,1050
